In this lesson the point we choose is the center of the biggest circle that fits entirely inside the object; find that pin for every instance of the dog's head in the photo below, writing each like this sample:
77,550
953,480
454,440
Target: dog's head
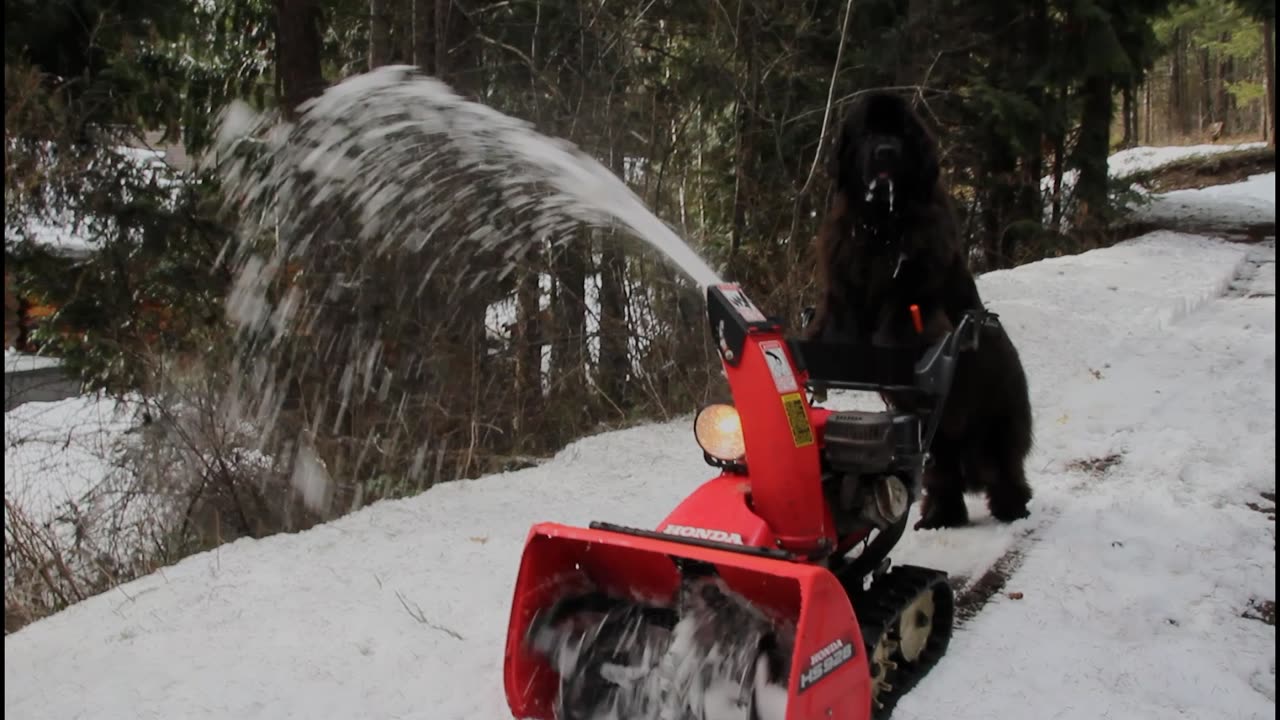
884,158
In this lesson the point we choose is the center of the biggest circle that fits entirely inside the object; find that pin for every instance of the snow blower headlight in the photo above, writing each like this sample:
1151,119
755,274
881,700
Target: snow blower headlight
718,430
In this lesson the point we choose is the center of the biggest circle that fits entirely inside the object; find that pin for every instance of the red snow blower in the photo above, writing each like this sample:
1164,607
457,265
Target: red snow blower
767,594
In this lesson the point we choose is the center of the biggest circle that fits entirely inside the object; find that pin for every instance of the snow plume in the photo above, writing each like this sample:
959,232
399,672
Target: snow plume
310,478
418,168
373,232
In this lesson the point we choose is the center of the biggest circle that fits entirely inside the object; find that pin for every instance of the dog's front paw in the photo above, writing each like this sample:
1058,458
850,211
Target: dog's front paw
936,515
937,522
1010,514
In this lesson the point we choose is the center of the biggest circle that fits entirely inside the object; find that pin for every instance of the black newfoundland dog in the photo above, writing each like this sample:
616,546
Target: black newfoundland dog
889,241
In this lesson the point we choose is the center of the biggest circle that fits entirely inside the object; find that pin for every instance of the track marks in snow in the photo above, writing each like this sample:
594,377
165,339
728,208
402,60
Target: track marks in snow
1256,276
973,595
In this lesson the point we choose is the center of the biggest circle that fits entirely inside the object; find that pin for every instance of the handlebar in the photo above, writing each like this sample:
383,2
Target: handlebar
896,370
884,368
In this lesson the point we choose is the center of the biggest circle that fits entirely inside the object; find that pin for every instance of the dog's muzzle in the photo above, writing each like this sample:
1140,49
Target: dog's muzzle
880,190
884,155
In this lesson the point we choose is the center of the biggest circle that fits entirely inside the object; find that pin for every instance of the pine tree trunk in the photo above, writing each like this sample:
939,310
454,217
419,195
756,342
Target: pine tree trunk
441,19
1269,58
298,42
998,197
569,311
613,321
528,337
614,335
379,34
1150,129
1029,196
1177,86
402,40
740,170
1212,106
1128,139
1230,118
424,46
12,320
1058,142
1059,170
1092,149
743,151
912,61
1133,115
1220,90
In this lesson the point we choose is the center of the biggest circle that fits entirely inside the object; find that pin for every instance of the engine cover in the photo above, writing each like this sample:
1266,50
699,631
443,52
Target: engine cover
861,442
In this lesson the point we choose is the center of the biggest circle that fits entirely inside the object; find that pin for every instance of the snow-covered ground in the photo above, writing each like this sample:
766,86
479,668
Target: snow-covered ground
1127,163
15,361
56,453
1133,580
1224,208
1251,202
1134,591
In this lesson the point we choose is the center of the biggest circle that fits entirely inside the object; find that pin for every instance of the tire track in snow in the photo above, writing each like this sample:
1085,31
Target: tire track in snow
1255,278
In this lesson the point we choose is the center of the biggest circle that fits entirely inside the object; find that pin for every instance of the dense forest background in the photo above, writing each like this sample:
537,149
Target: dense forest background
718,113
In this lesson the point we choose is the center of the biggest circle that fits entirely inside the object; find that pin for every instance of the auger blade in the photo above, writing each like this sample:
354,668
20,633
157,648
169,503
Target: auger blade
622,603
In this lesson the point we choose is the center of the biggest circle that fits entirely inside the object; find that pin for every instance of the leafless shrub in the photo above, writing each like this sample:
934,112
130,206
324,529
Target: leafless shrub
173,475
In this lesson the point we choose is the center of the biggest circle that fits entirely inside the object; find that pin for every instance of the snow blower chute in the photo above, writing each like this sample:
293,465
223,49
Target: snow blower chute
767,594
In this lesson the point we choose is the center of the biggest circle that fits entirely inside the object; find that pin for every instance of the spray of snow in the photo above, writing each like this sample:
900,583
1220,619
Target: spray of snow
310,478
414,163
393,203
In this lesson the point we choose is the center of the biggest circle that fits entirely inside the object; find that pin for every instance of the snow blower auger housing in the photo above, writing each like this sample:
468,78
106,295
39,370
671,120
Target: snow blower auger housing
766,594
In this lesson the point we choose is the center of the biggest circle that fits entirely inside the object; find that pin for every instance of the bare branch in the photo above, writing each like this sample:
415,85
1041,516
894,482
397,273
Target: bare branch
831,91
416,613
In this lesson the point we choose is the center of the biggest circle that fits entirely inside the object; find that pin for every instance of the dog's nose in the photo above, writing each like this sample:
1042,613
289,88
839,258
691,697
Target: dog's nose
884,152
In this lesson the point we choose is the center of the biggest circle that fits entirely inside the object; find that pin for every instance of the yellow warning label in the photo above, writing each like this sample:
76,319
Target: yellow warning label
801,431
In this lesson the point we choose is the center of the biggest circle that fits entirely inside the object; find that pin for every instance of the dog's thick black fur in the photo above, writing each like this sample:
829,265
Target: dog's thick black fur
890,240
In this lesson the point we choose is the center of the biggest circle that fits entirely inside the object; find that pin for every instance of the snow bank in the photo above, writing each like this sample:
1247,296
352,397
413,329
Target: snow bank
15,361
1250,202
57,452
1132,595
1127,163
1138,159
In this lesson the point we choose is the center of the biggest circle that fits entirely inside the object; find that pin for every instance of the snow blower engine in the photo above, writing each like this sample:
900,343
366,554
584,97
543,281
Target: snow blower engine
767,594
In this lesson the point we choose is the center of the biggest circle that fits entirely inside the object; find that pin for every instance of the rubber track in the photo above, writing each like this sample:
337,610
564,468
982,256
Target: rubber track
880,608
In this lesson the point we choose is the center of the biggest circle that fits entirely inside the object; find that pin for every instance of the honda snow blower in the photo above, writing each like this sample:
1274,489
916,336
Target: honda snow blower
767,594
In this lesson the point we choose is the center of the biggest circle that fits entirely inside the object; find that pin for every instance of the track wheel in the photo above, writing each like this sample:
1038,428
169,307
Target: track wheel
906,619
916,625
882,667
